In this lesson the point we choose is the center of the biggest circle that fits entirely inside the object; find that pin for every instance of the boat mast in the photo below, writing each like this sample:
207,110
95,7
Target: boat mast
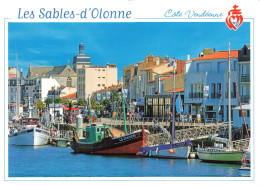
229,101
17,88
173,102
90,115
123,105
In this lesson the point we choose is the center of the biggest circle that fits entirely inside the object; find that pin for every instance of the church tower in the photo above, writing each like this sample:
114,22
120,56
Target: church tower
81,59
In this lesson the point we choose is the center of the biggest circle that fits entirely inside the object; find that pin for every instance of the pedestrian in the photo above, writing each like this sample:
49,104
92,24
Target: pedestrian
185,118
198,117
190,119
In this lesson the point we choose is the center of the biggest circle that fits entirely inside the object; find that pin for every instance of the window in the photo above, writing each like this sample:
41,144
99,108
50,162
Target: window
103,77
98,77
103,85
99,85
246,113
69,82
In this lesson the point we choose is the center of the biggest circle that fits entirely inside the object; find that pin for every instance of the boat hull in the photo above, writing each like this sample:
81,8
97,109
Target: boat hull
221,156
244,172
169,151
128,144
29,137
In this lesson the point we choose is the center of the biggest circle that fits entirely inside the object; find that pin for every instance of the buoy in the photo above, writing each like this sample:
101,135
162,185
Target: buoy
192,155
144,152
137,154
171,151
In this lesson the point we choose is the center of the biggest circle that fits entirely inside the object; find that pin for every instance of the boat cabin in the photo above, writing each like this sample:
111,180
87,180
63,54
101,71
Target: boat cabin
29,121
95,133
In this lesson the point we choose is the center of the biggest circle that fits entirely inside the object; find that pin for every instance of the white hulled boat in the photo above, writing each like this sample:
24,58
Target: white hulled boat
220,154
30,133
245,169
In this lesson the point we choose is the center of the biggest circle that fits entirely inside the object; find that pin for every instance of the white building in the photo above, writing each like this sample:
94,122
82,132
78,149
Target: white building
211,71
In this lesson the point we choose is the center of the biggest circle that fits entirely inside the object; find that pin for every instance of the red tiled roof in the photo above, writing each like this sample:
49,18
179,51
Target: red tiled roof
176,90
165,78
71,96
149,68
151,81
219,55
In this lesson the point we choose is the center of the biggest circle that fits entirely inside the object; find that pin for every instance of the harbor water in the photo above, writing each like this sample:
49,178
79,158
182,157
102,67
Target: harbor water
49,161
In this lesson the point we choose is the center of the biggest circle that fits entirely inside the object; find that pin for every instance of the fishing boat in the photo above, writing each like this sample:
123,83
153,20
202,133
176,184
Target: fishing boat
108,140
30,132
245,169
173,150
220,154
103,139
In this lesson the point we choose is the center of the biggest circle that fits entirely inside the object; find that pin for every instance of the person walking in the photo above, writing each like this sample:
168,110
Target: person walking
190,119
198,117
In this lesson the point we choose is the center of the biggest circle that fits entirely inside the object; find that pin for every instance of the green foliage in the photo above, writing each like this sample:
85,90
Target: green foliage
58,100
39,105
81,102
67,102
48,101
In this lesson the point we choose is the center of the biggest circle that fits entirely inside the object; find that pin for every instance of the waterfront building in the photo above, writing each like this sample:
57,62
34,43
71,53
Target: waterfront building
93,78
13,96
210,71
81,59
64,74
62,92
12,72
132,75
37,88
159,89
244,88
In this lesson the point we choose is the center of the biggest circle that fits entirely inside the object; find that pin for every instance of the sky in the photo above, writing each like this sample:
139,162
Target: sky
49,44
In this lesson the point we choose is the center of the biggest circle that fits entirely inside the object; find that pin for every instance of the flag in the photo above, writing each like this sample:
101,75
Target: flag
98,97
171,63
178,103
108,95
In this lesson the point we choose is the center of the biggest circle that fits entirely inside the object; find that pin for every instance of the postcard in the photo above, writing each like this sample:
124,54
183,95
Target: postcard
115,92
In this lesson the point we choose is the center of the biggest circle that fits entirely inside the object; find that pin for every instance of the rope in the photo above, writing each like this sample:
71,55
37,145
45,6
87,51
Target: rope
239,100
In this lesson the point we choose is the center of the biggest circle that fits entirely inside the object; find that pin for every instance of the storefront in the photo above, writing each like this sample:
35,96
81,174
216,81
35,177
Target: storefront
159,106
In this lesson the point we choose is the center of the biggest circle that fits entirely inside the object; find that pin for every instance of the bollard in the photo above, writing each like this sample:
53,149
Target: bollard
79,125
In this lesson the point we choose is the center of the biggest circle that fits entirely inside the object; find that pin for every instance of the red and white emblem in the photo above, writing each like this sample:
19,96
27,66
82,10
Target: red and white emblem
234,18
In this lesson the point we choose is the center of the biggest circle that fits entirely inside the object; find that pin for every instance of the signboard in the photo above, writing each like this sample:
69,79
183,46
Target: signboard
98,97
108,95
125,92
206,92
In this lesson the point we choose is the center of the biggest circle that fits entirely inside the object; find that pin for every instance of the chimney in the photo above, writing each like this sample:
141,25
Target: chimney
21,73
188,57
207,51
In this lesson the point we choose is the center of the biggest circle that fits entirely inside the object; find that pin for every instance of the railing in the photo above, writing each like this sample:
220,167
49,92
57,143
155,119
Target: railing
196,95
245,78
233,95
215,95
245,98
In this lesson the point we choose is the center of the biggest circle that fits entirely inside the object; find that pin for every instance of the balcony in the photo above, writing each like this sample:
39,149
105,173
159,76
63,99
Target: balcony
196,95
233,95
245,98
215,95
245,78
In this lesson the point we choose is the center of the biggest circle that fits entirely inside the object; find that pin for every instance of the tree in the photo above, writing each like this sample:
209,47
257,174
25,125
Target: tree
39,105
67,102
58,100
81,102
48,101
